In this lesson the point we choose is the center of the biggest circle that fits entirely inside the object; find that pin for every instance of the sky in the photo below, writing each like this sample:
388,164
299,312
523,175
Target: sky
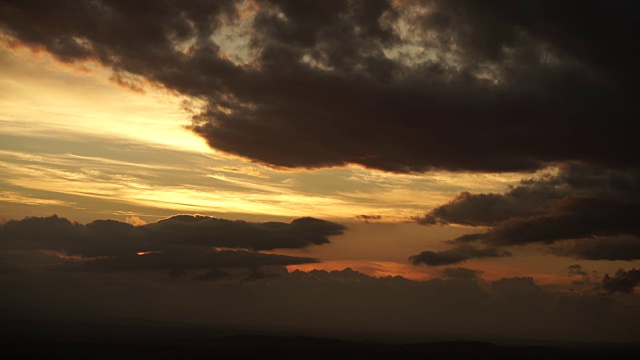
403,166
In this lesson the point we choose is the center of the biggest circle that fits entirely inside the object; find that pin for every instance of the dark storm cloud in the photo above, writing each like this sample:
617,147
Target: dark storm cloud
177,244
623,281
591,210
482,86
456,255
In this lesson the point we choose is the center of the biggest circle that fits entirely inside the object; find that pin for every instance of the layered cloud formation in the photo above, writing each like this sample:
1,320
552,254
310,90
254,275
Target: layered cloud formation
585,212
399,86
54,266
178,244
338,302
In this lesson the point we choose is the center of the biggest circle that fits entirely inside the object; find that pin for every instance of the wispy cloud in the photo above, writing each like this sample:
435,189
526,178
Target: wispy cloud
14,197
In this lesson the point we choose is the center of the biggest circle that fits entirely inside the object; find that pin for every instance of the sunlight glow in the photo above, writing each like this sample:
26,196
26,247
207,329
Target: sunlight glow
120,140
46,100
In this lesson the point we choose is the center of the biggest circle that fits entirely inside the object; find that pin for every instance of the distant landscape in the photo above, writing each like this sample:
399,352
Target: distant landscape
142,339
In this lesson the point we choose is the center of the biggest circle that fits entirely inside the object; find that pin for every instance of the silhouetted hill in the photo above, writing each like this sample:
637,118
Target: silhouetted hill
140,339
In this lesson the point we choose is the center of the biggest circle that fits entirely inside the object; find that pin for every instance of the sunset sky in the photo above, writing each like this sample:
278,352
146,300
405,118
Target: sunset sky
463,167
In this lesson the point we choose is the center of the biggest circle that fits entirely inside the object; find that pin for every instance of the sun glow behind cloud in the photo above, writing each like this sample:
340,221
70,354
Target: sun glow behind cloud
71,130
45,99
94,138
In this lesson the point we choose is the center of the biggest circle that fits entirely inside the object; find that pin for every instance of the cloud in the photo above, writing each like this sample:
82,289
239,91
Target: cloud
340,301
601,248
206,231
368,218
456,255
576,269
110,237
266,272
482,209
179,244
582,278
397,86
572,219
98,238
583,211
212,275
515,286
176,260
119,270
537,196
135,220
623,281
461,273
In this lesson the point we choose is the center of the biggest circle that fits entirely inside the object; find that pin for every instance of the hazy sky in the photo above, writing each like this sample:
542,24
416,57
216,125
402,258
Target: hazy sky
230,159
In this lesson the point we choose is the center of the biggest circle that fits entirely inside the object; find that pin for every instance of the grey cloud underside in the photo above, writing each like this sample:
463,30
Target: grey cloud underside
585,212
497,85
176,244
